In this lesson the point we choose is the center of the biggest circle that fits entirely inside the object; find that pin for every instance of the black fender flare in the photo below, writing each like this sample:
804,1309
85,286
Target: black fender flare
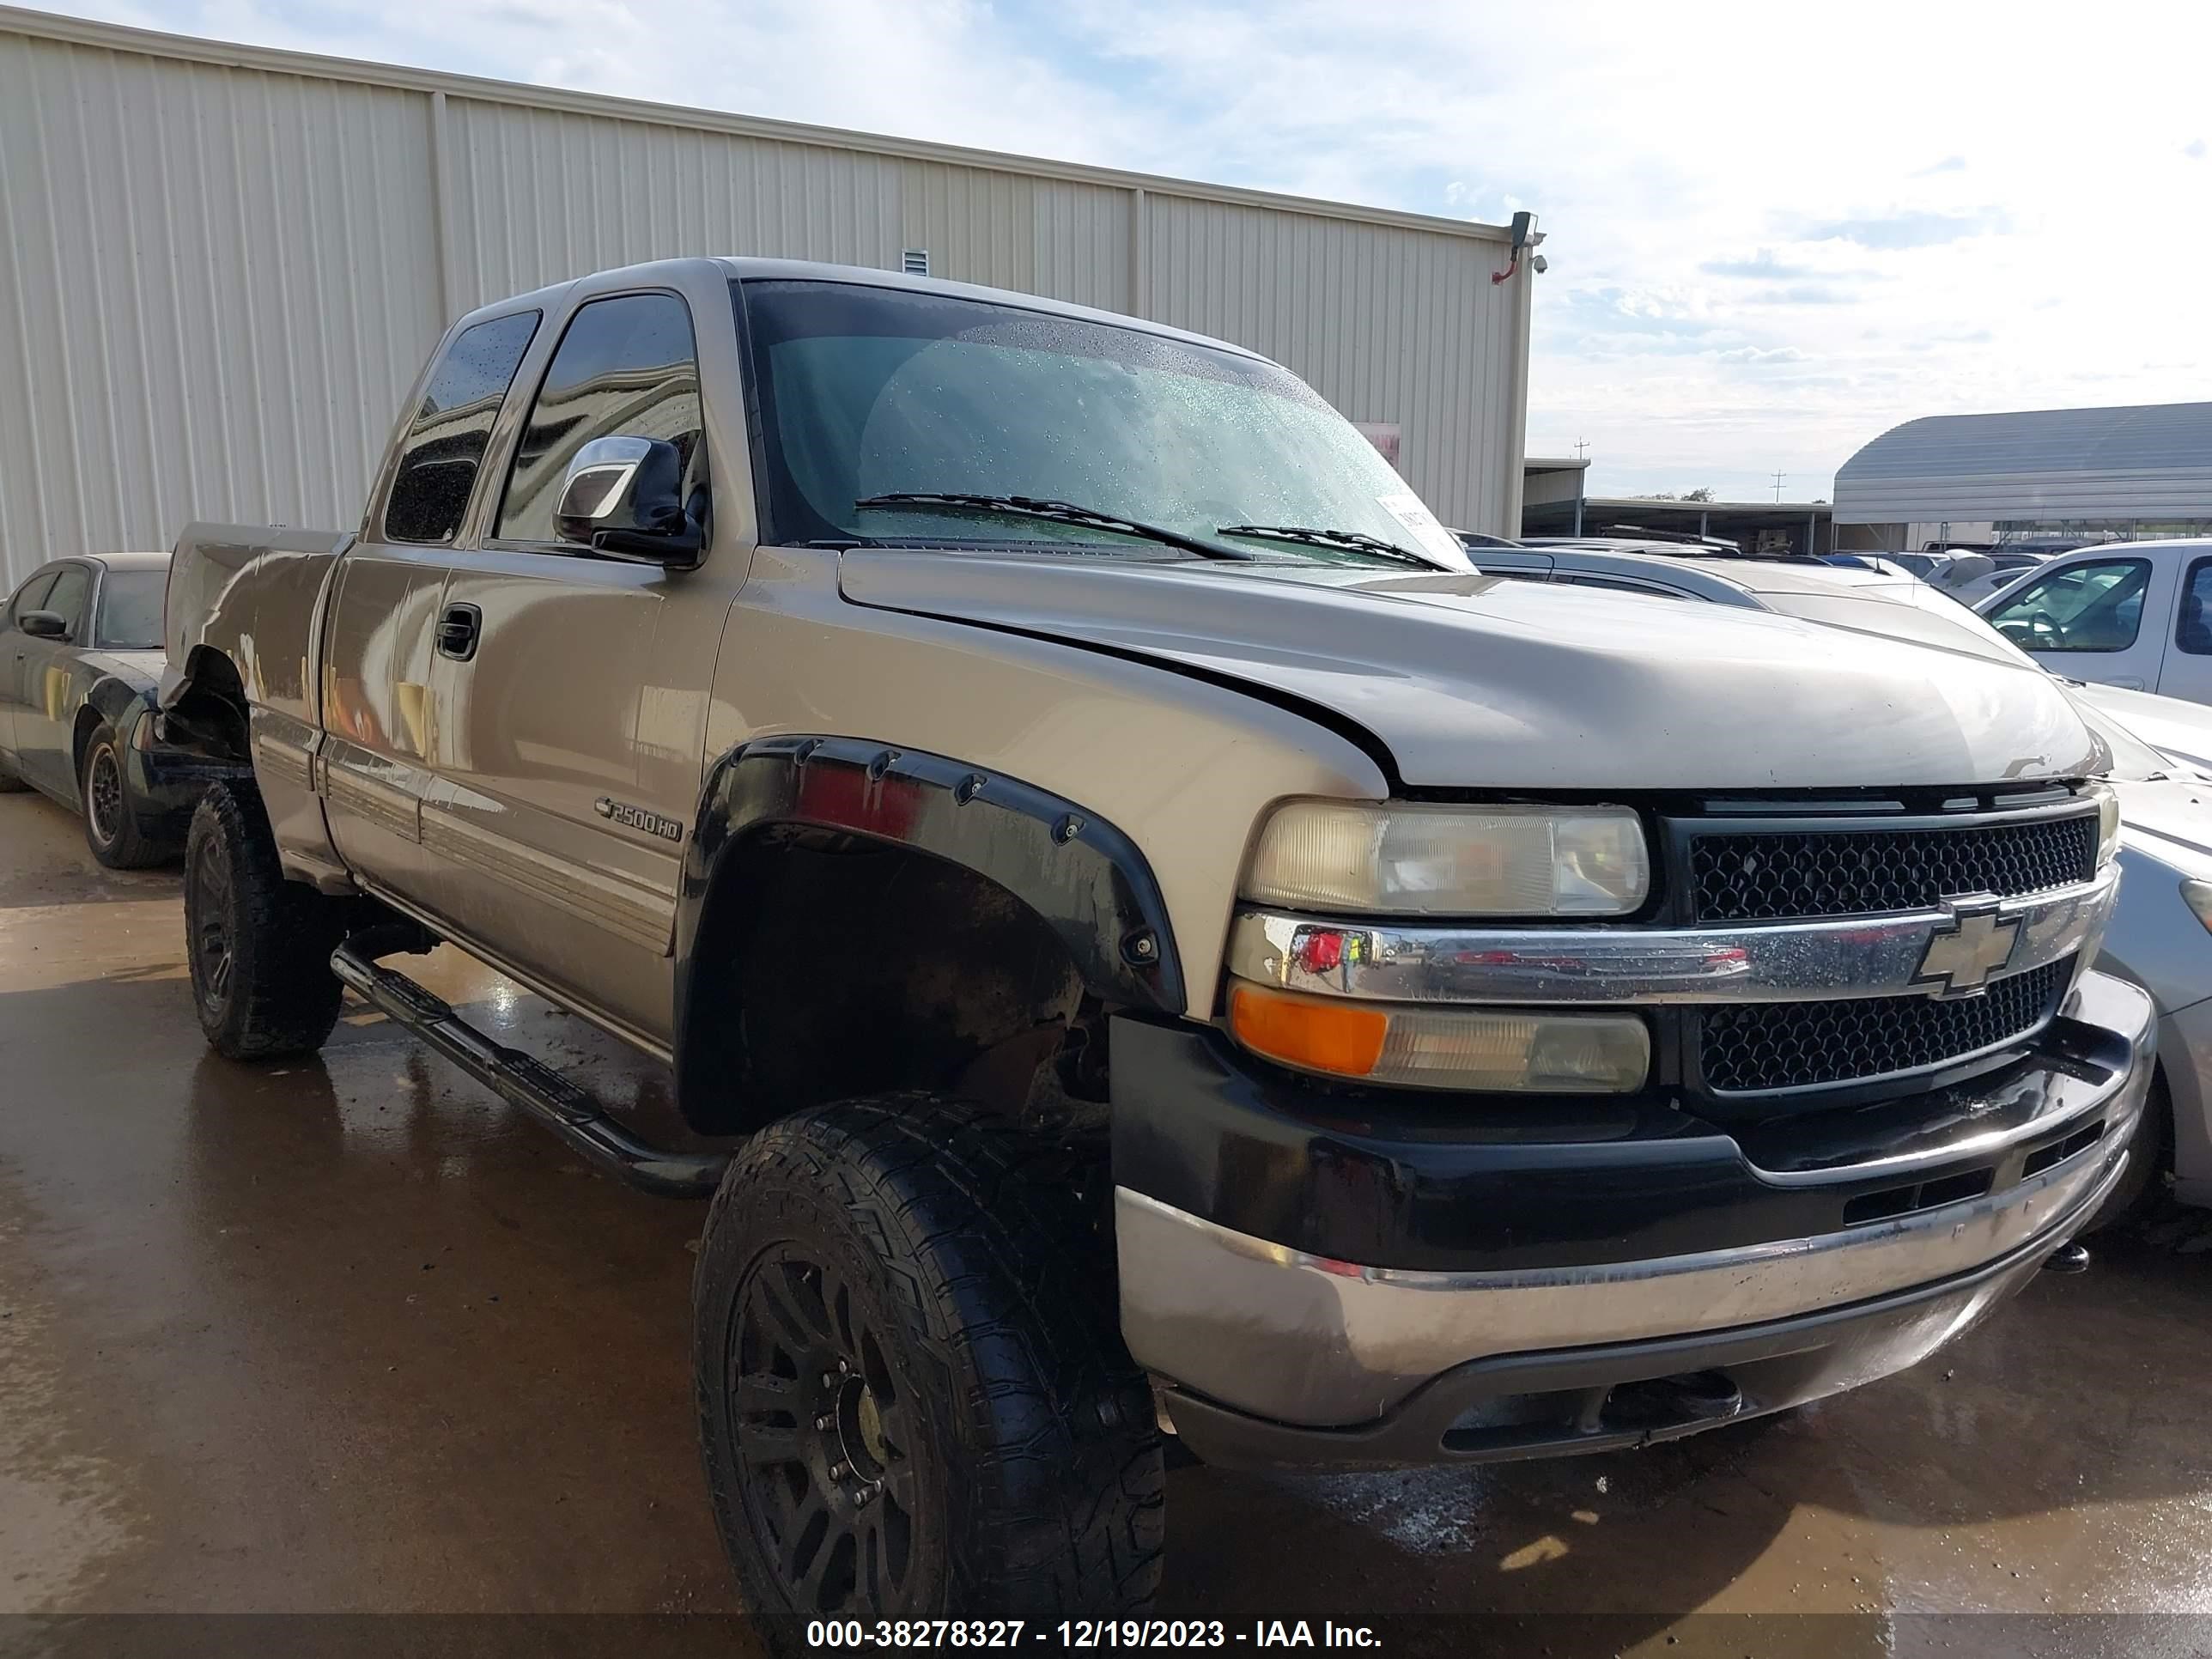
1084,878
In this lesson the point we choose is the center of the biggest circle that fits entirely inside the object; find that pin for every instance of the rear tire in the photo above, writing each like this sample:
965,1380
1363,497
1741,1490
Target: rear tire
913,1398
110,828
259,945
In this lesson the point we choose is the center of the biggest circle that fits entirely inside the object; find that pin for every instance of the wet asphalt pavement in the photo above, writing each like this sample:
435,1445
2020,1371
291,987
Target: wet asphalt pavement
349,1336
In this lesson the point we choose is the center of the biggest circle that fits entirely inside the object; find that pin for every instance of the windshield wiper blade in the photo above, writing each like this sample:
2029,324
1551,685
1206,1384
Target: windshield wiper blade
1357,540
1033,506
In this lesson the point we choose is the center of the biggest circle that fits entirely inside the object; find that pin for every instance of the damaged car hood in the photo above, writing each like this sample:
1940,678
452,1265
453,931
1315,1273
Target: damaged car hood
1471,680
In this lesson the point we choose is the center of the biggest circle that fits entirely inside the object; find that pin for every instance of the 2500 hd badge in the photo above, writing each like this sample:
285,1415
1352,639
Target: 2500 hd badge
636,817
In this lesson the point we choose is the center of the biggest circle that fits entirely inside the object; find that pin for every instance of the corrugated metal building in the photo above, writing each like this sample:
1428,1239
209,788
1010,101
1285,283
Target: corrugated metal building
224,265
2136,470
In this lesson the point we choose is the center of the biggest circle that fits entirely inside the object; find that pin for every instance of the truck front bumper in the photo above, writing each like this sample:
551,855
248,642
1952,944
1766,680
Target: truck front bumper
1319,1280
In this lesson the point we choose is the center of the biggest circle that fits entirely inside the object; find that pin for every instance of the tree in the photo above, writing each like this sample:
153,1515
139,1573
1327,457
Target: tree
1702,492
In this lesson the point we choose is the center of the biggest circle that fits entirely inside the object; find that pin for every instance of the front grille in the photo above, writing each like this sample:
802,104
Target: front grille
1736,876
1758,1047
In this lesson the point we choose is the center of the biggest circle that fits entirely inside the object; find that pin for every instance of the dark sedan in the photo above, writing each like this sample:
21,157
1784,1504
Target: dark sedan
80,652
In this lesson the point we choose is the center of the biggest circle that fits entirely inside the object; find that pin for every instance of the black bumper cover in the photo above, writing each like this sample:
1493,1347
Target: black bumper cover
1458,1183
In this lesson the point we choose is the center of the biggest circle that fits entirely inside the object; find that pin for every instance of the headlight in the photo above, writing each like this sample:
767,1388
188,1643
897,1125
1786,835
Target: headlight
1400,860
2108,822
2198,896
1517,1049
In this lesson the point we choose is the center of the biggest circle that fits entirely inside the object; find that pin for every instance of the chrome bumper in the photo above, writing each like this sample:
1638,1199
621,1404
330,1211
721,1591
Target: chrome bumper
1893,954
1300,1338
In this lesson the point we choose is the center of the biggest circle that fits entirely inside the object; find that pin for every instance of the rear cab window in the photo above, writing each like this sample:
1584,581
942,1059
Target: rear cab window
444,447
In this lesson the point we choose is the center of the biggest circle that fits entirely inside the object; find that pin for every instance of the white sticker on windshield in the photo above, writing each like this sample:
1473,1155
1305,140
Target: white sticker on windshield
1409,510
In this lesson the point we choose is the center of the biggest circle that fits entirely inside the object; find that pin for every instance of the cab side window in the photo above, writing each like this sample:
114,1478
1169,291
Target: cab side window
2192,622
70,595
626,366
2093,606
445,445
32,596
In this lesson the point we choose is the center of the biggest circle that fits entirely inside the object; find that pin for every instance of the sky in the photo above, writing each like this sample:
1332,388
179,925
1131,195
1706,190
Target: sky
1773,231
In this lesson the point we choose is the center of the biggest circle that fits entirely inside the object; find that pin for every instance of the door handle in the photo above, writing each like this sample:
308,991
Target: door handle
459,626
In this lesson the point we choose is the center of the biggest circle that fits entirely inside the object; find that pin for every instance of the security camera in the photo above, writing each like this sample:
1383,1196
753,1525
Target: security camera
1541,264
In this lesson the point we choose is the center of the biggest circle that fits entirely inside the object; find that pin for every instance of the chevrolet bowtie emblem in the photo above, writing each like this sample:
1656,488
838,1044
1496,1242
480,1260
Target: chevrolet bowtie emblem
1976,944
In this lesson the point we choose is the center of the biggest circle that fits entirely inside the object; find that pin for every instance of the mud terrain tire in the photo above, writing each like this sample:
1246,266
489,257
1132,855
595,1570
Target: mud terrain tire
913,1398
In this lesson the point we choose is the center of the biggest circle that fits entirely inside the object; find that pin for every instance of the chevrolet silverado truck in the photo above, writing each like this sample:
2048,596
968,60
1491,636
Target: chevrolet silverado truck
1165,946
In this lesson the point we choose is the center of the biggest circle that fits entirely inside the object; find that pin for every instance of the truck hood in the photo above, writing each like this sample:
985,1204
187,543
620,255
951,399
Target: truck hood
2166,797
2180,730
1471,680
2169,819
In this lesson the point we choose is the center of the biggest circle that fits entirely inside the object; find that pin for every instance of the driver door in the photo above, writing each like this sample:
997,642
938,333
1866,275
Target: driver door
50,672
570,696
15,652
2099,617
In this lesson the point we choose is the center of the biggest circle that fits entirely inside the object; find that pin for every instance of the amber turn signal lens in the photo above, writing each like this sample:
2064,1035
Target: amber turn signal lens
1482,1050
1317,1033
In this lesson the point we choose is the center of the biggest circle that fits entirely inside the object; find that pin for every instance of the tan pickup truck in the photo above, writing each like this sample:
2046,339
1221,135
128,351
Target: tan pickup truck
1173,948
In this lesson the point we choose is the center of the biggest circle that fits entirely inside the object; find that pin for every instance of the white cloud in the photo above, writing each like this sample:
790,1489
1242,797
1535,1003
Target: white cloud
1767,244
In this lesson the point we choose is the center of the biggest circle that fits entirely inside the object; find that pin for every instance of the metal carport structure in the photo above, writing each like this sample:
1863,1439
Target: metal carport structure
2138,469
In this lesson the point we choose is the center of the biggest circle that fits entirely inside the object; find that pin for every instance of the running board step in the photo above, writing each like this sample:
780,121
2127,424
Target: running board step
520,1080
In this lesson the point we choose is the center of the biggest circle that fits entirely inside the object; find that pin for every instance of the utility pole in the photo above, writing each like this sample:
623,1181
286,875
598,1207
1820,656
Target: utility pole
1778,478
1582,448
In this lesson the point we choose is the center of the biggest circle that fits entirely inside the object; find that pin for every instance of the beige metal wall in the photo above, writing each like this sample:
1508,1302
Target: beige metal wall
224,264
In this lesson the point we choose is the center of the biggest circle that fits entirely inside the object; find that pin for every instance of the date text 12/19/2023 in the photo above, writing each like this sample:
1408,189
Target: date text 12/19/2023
1085,1633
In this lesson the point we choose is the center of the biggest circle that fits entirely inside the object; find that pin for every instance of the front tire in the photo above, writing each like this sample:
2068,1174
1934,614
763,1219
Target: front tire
913,1398
110,828
260,946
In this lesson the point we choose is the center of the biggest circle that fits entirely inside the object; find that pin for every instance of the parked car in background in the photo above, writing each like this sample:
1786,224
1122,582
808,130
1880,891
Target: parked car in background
80,654
1922,565
1888,606
1880,563
1970,586
2162,932
2129,614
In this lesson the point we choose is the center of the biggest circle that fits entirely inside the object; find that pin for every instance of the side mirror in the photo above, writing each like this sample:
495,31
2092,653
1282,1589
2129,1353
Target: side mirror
623,496
43,624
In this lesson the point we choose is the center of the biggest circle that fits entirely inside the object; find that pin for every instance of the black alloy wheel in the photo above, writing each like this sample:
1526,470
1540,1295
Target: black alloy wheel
103,796
213,949
823,1430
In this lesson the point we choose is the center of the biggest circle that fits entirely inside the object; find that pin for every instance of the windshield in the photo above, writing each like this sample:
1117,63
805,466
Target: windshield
869,391
131,609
